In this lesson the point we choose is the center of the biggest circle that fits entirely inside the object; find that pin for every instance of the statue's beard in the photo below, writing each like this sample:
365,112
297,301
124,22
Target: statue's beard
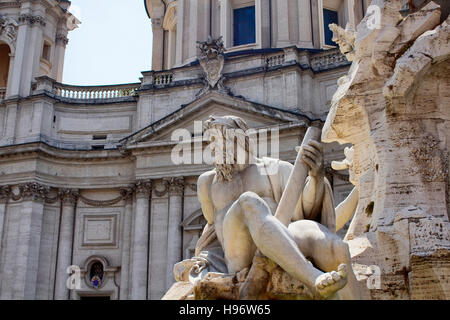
229,164
225,171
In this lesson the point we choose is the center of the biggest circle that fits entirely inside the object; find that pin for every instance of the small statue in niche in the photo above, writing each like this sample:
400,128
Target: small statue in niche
96,275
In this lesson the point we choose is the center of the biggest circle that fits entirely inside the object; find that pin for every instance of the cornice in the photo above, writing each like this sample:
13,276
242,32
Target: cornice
36,149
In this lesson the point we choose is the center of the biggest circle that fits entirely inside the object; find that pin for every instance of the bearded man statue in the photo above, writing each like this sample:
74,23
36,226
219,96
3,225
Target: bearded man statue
239,198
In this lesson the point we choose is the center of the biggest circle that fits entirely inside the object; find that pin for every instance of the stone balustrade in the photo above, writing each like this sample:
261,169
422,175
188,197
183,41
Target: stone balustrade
327,60
275,60
162,78
95,92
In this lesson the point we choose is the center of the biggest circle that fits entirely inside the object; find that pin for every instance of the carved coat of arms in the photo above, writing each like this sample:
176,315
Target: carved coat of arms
212,60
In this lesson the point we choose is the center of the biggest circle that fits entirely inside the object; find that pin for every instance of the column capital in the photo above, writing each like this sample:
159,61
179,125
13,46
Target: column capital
157,23
33,191
176,186
61,39
143,187
69,196
32,20
5,193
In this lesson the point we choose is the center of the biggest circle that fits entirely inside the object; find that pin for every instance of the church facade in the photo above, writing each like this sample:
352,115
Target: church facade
91,202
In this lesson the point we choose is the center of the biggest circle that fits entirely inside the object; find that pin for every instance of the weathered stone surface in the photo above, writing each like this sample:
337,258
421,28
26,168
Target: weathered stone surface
393,107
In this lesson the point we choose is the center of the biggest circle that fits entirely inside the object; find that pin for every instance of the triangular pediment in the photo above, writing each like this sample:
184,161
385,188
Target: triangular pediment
213,103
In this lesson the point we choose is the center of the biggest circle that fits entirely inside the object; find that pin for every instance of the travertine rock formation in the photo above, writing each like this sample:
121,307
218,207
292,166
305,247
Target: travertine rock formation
393,106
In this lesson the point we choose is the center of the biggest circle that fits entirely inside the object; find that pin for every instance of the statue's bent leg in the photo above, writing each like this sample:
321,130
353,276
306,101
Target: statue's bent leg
273,239
327,251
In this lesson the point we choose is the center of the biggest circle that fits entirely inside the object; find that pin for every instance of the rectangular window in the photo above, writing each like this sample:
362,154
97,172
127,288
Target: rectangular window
46,51
329,16
244,30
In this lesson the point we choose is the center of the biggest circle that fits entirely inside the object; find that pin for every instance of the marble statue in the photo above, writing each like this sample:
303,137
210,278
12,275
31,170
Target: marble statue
257,221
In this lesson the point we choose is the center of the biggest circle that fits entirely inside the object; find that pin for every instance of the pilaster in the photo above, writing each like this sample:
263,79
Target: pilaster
174,234
69,199
141,241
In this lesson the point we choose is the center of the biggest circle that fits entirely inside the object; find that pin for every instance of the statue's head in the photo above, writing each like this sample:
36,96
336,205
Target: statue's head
345,39
230,143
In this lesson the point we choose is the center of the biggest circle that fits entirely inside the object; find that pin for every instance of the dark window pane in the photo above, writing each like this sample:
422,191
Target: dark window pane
244,26
329,16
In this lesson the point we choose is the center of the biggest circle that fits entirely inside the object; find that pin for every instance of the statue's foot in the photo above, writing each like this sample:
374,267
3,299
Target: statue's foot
328,283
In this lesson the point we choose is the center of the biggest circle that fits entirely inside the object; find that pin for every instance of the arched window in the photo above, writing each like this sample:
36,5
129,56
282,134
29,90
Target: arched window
4,68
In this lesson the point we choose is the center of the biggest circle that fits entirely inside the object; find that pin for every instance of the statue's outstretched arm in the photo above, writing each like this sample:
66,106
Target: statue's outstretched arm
346,209
203,189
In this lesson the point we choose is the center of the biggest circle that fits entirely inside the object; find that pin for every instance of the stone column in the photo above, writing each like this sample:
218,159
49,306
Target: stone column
304,23
5,192
69,199
350,6
28,241
140,244
157,52
262,23
283,38
226,23
171,54
126,241
180,34
174,233
61,42
19,56
33,50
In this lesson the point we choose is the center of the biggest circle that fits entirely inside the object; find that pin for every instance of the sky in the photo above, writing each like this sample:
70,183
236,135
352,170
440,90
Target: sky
112,45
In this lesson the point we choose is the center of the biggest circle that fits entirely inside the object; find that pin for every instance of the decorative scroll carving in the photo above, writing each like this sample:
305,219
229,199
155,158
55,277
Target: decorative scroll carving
125,194
5,193
31,20
8,28
212,60
37,192
69,196
176,186
31,191
143,187
160,193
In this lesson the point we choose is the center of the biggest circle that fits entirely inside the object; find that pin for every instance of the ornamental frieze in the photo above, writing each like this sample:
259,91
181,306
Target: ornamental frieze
32,20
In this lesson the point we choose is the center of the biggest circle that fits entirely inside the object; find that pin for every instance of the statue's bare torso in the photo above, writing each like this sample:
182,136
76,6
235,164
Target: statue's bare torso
254,178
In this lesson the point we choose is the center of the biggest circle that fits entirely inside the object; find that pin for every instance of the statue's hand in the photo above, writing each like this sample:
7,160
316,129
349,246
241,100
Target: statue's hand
312,155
